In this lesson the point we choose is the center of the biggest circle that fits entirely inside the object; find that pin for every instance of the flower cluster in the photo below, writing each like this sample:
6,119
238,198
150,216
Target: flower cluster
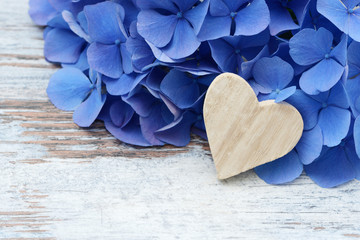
143,67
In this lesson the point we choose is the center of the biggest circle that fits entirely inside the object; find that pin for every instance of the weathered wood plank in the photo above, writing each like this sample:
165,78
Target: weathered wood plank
58,181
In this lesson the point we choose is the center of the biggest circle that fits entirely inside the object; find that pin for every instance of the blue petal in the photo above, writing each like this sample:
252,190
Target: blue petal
218,8
81,64
282,170
354,59
87,112
105,59
156,28
41,11
68,88
253,19
63,46
224,55
214,28
337,13
352,156
357,135
182,90
177,133
310,145
184,42
337,96
285,94
185,5
126,59
247,67
321,77
331,169
352,90
273,73
125,84
309,46
197,15
75,26
131,133
308,108
141,102
108,30
280,19
120,113
334,123
340,51
157,4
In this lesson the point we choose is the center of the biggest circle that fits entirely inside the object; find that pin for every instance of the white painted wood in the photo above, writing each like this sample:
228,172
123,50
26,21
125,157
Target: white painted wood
244,133
58,181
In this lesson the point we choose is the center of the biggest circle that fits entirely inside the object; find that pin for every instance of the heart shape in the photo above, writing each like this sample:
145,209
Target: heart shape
244,133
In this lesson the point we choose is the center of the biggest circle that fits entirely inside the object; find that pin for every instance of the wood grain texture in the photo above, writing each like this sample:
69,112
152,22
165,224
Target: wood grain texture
58,181
244,133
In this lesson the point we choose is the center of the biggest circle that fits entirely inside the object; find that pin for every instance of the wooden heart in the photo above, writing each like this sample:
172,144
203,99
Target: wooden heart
244,133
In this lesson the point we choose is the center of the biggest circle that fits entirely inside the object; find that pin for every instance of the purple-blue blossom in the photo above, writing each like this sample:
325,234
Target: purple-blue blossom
143,68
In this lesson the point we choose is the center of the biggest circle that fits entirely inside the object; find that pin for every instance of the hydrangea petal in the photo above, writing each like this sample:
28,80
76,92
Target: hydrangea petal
321,77
334,123
282,170
105,59
214,28
197,15
177,133
280,19
331,169
130,134
152,123
253,19
68,88
156,28
182,90
63,46
309,46
120,113
307,106
85,114
337,96
354,59
41,11
157,4
273,73
285,94
184,42
310,145
108,30
218,8
340,51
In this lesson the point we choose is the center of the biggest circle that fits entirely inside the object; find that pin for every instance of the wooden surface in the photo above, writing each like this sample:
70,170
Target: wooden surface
58,181
244,133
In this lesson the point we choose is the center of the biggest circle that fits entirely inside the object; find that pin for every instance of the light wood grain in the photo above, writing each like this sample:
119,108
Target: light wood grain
244,133
59,181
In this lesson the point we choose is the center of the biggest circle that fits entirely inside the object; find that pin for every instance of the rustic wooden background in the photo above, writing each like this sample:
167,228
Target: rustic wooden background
58,181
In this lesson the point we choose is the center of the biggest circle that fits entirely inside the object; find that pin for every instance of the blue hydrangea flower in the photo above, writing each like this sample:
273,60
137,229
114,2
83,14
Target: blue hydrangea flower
345,14
329,110
234,18
71,90
172,25
61,44
122,122
315,49
141,54
41,11
107,53
335,165
274,75
280,17
232,53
